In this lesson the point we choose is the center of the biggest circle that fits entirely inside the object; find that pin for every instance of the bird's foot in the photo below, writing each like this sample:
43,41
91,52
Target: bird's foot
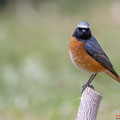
86,85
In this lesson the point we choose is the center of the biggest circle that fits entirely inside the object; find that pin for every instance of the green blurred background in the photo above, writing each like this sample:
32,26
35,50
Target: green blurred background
37,78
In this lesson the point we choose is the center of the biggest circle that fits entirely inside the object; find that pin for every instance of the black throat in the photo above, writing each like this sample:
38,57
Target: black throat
80,36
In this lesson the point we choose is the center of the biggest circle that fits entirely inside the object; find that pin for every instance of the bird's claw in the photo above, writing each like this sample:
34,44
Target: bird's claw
86,85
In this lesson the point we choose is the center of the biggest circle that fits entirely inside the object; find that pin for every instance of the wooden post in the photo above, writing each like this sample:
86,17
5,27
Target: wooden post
89,105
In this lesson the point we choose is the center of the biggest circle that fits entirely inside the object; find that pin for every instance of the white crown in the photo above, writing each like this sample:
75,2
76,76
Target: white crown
83,24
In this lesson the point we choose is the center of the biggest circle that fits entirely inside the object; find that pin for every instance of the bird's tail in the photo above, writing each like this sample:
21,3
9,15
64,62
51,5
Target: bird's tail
114,76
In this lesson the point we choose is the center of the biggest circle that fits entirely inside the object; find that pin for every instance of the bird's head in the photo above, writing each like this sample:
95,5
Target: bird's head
82,32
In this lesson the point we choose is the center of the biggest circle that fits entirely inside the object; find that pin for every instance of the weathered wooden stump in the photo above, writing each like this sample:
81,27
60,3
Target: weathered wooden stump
89,105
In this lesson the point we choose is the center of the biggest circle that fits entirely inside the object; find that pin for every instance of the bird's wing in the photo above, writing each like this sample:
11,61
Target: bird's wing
95,51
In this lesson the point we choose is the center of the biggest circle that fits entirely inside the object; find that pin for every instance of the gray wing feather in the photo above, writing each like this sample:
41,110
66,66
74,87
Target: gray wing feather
94,50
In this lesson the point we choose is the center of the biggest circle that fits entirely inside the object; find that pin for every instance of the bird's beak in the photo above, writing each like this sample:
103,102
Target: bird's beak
83,30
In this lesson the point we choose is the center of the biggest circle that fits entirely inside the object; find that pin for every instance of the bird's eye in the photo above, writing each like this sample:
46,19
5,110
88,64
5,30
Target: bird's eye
80,28
87,29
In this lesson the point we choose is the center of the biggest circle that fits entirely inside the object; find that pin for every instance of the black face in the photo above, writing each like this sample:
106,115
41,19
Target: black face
82,34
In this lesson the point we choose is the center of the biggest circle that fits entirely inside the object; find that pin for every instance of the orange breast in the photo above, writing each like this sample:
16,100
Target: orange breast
82,59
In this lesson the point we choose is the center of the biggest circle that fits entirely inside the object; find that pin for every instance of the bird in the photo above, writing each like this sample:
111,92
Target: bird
87,54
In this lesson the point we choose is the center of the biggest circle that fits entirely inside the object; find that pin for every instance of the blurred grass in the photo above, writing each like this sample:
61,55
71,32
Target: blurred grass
38,80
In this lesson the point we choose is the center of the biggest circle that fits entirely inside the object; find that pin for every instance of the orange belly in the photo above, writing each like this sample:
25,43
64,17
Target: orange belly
82,59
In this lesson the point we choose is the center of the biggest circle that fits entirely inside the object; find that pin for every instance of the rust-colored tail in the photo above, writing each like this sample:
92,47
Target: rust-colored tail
116,77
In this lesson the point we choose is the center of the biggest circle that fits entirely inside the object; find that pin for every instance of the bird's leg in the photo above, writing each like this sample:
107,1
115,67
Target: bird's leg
88,83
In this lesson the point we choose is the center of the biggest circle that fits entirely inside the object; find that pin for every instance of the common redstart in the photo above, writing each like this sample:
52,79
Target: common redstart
86,53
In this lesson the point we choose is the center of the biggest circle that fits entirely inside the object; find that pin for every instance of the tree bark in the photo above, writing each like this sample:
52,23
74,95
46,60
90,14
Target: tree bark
89,105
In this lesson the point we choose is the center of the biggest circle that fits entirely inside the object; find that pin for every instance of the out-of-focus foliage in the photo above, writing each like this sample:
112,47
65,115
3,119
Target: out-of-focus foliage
37,78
